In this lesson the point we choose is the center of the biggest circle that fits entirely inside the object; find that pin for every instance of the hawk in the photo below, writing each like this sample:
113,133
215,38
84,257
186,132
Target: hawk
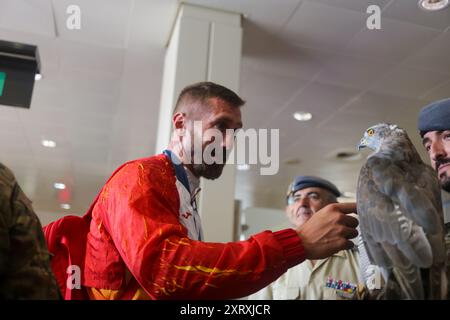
401,218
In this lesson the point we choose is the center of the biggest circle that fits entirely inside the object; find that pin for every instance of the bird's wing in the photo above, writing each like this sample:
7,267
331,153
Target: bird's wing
395,207
417,190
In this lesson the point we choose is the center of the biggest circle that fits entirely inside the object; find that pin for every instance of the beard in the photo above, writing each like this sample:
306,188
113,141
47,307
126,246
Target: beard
213,170
208,171
445,183
444,179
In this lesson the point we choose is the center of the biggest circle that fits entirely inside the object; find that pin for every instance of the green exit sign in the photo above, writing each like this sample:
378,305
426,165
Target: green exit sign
2,82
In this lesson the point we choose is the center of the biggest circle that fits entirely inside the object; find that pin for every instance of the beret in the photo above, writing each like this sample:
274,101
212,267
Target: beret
435,117
302,182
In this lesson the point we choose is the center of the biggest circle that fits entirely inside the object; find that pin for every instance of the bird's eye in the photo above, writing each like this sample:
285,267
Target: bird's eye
370,132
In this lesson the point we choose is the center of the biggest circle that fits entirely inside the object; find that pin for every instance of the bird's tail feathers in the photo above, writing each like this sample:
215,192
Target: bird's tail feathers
406,274
410,281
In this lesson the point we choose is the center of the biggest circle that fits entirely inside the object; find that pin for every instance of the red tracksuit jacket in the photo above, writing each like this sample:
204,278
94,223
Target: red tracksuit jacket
136,227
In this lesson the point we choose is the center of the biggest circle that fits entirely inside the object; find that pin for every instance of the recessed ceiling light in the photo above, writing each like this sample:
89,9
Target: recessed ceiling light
48,143
433,5
243,167
37,76
60,186
302,116
65,206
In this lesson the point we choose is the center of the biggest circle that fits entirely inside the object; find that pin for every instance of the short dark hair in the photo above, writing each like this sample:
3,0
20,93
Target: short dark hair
202,91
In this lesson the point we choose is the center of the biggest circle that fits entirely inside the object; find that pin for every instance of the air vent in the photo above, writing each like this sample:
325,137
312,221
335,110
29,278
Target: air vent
292,161
346,155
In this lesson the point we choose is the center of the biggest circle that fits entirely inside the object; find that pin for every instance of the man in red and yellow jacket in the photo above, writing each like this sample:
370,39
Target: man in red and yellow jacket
144,239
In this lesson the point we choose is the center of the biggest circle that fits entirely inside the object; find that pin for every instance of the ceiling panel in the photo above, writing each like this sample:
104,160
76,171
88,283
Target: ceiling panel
440,92
103,22
94,82
95,58
358,5
277,56
319,99
90,102
8,113
409,82
151,23
394,42
354,72
320,26
27,16
11,129
381,107
434,55
257,109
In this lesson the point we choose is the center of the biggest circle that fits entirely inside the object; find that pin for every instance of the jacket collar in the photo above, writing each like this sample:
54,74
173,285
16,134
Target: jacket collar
180,172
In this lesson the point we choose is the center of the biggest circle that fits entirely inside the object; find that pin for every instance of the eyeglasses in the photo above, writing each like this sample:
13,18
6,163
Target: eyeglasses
312,196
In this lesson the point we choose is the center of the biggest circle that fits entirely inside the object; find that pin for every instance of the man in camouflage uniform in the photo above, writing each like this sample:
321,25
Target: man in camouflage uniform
25,271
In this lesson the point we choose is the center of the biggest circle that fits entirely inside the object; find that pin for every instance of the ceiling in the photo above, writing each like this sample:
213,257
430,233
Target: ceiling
99,96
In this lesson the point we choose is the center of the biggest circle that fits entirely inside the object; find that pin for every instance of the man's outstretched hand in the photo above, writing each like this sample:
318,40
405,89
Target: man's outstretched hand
329,230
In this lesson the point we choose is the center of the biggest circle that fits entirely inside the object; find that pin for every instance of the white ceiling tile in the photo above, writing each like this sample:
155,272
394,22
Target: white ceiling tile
358,5
10,128
354,72
8,113
320,99
356,123
90,103
46,96
103,22
434,56
151,23
302,63
12,146
277,56
27,16
324,27
441,91
259,107
394,42
94,58
384,107
409,82
82,80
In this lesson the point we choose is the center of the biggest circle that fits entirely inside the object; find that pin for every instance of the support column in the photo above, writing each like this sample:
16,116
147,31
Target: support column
205,45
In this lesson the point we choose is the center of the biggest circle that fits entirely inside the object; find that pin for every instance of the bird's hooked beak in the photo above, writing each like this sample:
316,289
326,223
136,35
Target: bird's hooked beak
362,144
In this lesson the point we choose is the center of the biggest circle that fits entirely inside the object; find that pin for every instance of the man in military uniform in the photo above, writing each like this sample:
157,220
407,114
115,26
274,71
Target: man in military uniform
25,271
434,127
334,278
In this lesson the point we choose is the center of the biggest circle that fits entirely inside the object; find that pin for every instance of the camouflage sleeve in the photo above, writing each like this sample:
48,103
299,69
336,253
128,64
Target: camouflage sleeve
5,216
24,258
